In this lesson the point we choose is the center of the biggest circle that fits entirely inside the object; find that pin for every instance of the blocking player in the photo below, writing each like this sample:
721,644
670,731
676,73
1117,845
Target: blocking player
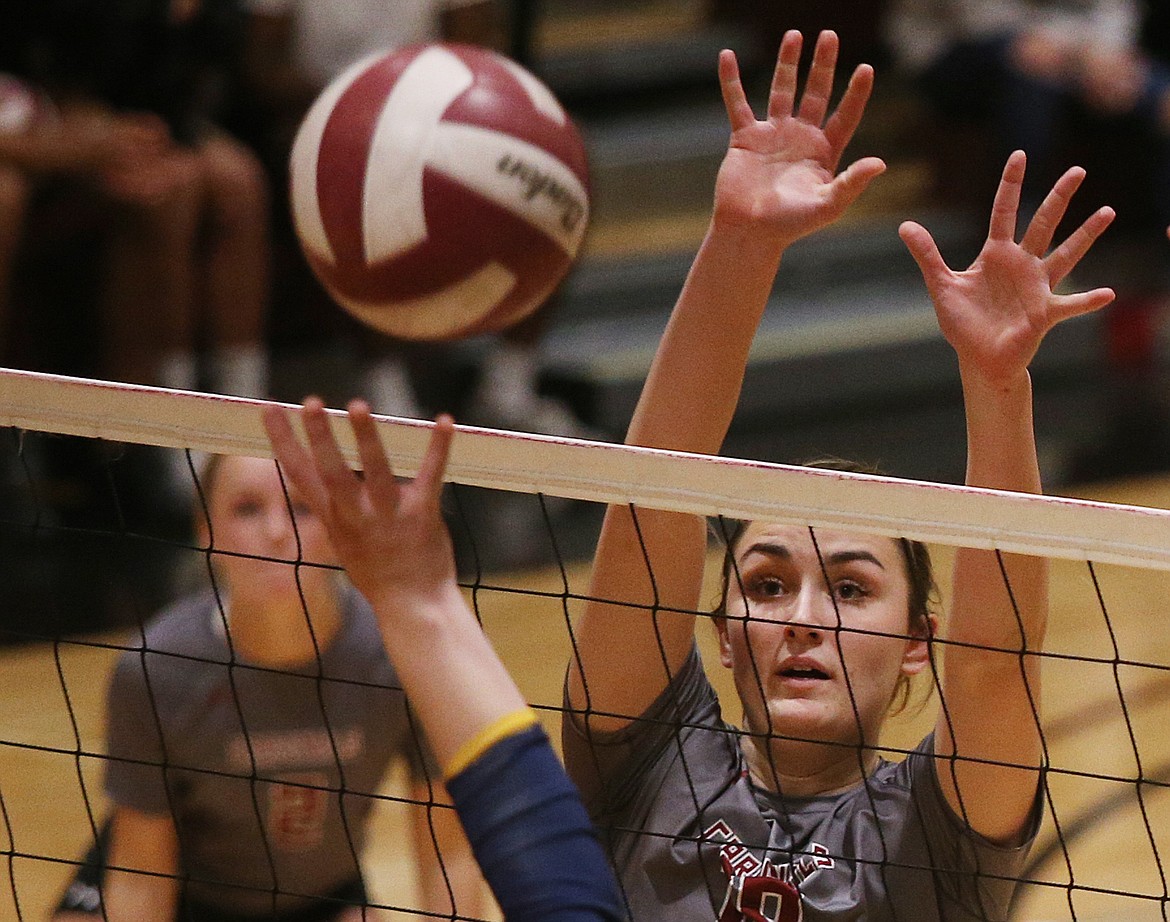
794,814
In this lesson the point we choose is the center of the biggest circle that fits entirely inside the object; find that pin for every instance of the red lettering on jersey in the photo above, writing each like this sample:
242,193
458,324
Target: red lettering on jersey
296,813
760,899
757,890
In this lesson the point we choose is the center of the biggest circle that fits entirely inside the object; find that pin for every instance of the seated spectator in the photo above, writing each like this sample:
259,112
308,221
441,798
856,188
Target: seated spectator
21,107
183,205
1086,79
1033,70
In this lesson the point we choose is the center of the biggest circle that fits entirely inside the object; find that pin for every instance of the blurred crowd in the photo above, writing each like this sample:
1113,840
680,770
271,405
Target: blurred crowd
144,228
143,158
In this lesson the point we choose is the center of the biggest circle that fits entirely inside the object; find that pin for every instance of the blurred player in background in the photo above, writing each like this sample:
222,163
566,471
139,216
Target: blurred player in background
249,737
295,48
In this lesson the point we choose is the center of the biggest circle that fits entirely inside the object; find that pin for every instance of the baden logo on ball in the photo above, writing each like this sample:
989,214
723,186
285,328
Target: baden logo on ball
439,191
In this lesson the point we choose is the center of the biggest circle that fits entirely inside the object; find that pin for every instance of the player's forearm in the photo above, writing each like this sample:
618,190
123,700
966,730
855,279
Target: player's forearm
625,654
1001,456
452,676
447,869
460,873
694,383
1001,442
130,897
654,560
531,835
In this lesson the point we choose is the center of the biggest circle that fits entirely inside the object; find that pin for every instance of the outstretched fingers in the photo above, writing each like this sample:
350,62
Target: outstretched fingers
429,479
295,461
782,96
842,125
1006,206
739,111
1042,228
926,254
1064,258
339,482
380,482
818,88
385,489
1083,302
848,185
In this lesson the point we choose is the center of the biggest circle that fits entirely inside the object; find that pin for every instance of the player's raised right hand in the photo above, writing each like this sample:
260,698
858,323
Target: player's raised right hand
780,174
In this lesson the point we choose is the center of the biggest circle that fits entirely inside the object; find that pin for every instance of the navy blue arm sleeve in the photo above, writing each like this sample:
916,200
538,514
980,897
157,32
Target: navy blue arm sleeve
531,835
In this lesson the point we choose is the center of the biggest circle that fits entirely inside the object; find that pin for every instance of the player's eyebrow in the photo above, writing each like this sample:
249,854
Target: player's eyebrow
781,552
768,549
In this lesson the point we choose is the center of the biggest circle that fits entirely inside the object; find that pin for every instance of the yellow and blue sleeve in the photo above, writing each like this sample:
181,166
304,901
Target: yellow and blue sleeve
528,828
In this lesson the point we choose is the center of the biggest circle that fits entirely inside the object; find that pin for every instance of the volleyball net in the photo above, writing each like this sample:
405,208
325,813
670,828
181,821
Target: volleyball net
1106,662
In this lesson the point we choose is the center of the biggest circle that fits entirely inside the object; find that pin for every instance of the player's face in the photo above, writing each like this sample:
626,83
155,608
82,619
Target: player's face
249,514
817,641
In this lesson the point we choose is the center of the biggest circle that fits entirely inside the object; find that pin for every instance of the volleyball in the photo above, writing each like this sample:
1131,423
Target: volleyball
439,191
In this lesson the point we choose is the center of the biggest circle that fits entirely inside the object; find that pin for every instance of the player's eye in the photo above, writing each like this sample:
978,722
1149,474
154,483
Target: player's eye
766,587
850,591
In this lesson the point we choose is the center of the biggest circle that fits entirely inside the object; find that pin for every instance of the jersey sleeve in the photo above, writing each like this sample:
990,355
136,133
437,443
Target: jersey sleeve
135,776
970,871
609,768
531,835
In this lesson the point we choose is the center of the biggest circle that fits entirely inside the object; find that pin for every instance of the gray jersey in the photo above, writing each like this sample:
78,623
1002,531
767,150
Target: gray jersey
189,732
692,838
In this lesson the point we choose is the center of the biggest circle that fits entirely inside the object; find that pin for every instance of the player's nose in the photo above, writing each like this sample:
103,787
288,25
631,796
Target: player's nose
811,614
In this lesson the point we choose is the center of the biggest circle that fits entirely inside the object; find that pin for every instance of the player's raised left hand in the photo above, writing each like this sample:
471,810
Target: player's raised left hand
996,312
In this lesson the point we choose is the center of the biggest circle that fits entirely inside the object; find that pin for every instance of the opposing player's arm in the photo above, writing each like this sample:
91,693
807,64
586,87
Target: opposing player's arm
446,865
142,880
995,314
524,819
778,182
395,547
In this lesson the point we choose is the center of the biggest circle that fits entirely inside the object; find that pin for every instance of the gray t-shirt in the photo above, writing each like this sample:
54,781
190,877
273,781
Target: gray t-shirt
692,838
249,761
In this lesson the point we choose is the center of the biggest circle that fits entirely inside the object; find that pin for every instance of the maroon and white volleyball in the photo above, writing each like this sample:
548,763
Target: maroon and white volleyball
439,191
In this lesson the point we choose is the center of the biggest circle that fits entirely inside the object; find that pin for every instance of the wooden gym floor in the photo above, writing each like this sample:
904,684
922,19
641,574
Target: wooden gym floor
1109,846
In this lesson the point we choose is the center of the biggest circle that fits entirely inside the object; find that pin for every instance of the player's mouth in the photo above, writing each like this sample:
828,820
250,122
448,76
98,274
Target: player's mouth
801,669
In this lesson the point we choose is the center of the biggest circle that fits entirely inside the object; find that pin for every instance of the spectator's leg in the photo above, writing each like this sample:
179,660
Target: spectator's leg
238,266
14,192
148,305
508,393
